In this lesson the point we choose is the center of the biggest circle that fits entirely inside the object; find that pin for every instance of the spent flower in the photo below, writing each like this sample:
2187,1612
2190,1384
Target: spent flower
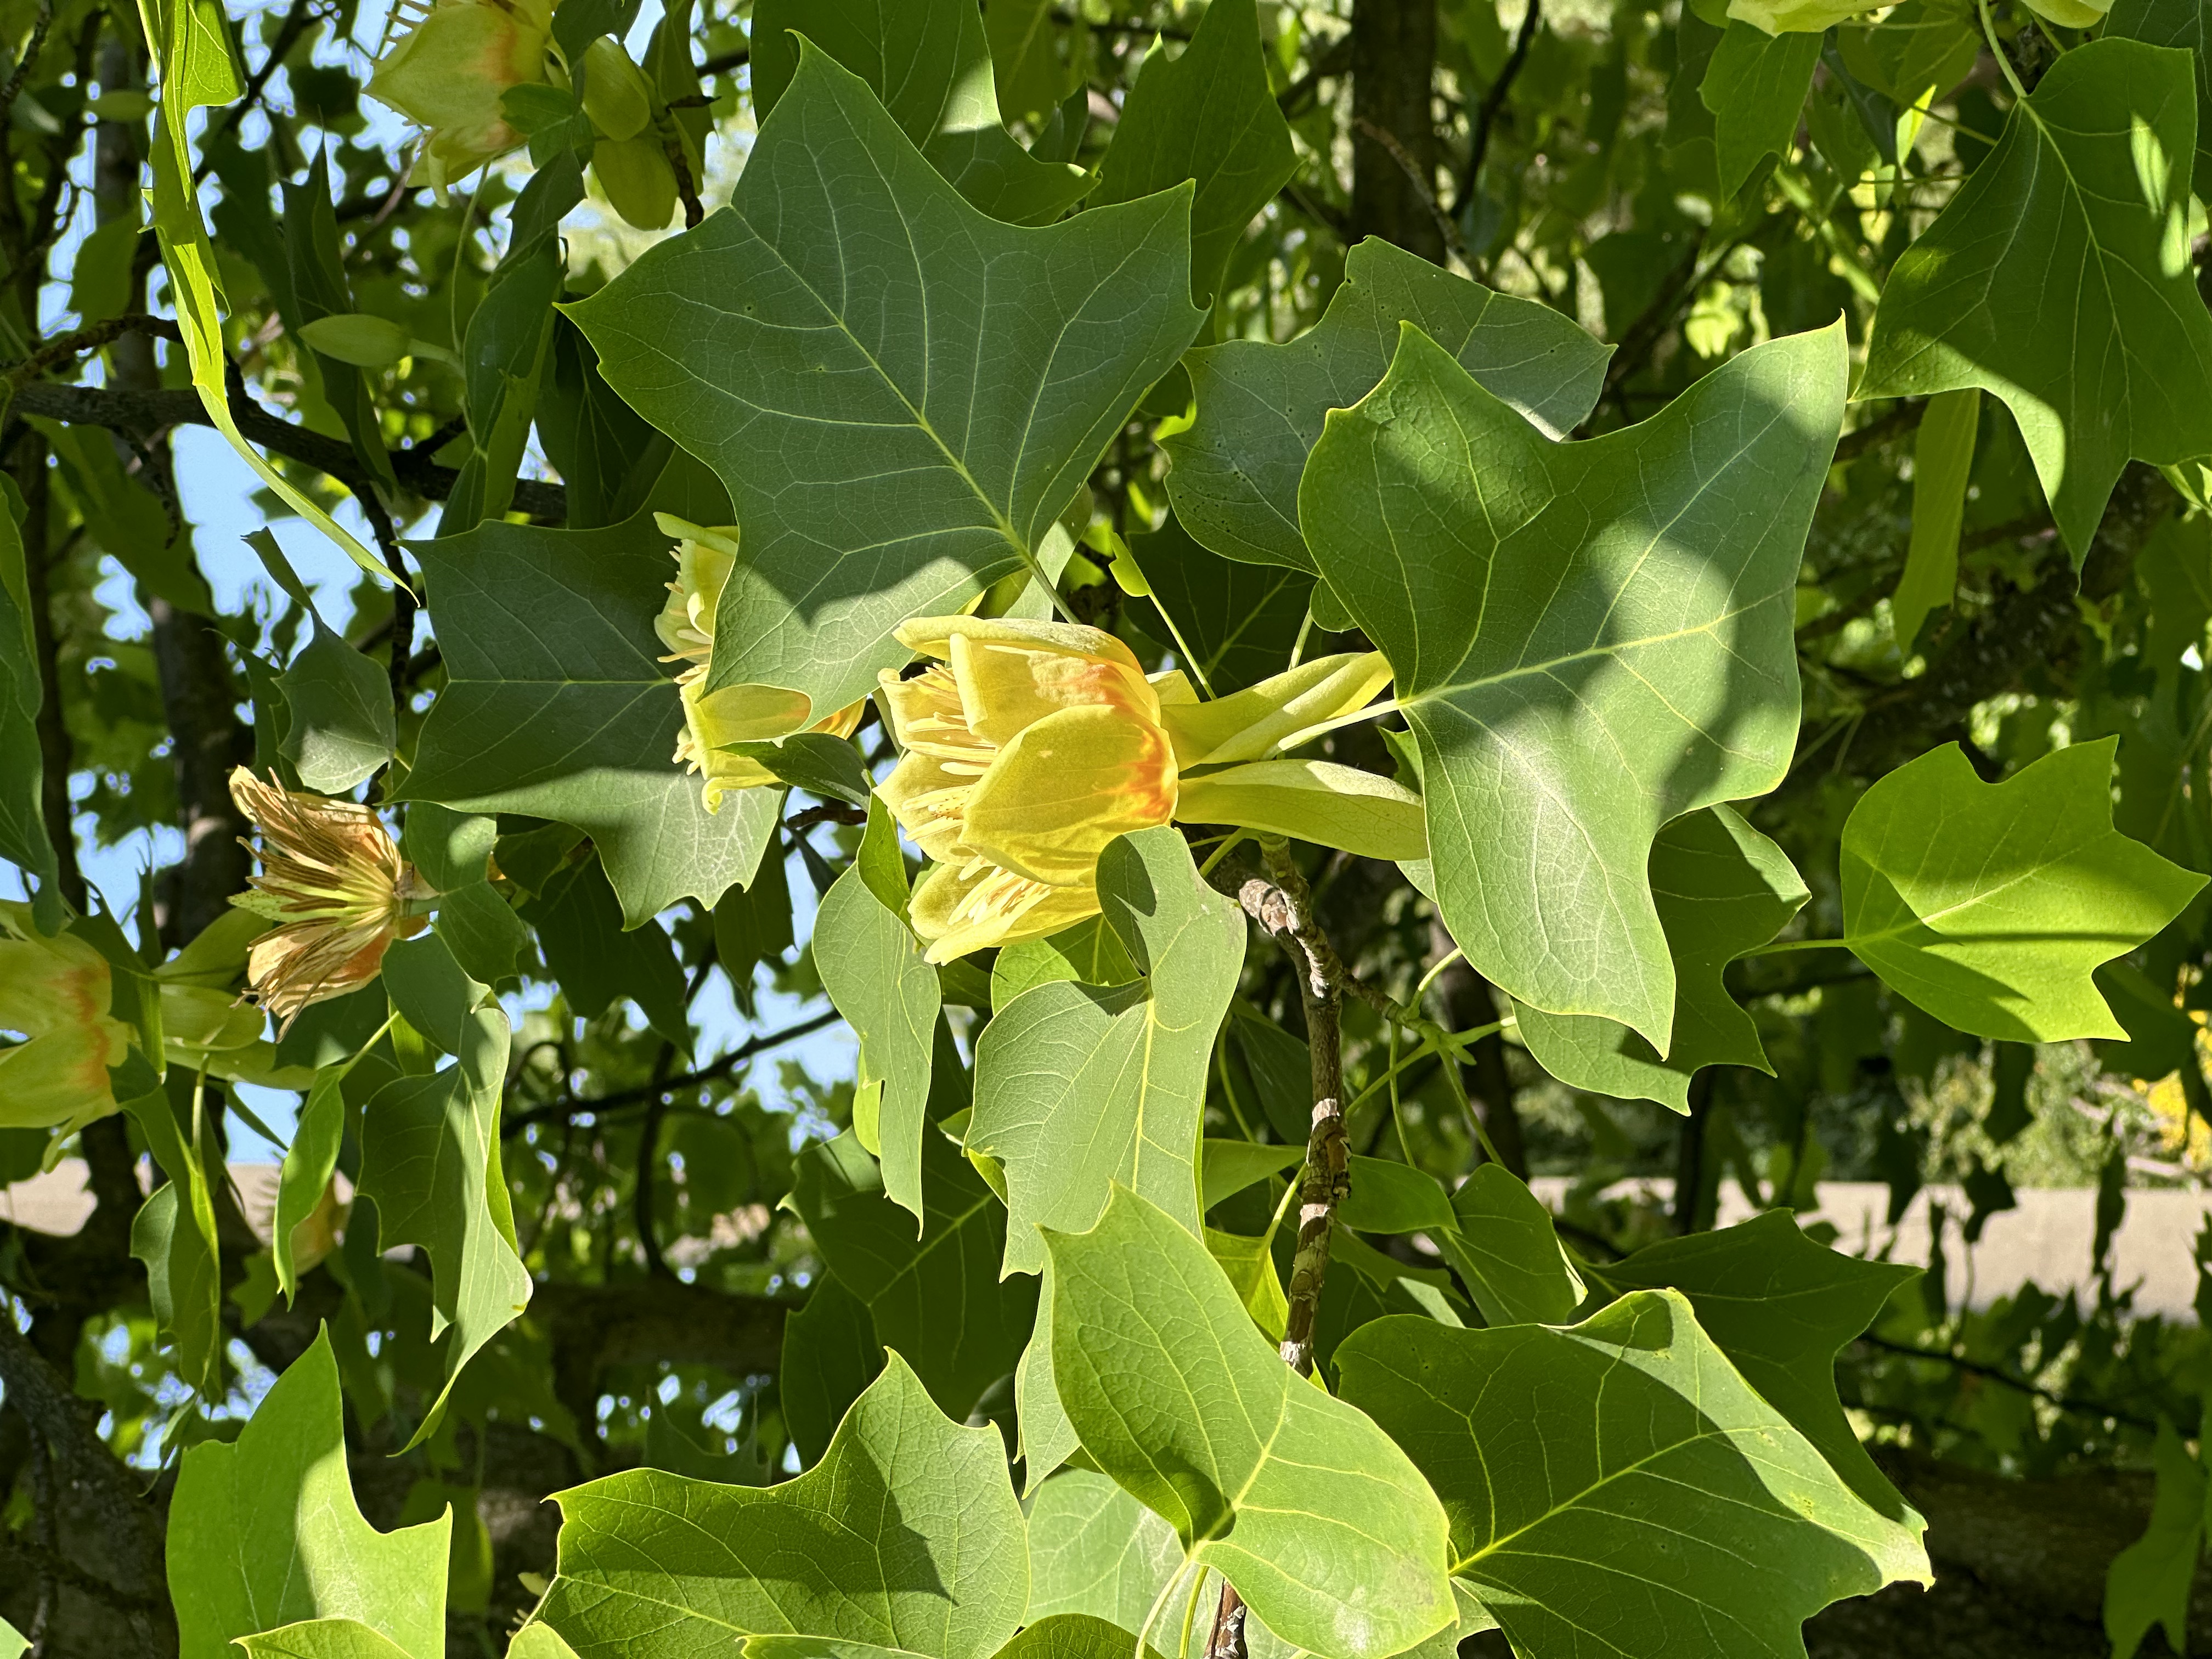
333,883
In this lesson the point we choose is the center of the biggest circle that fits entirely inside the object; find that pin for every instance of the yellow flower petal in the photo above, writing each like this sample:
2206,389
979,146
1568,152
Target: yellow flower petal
959,914
1328,804
1067,784
1248,724
1006,686
930,802
60,1078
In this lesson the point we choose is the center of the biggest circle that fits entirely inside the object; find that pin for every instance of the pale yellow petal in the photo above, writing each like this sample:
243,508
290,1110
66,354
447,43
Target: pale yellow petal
957,914
1006,687
1317,801
1065,786
1248,724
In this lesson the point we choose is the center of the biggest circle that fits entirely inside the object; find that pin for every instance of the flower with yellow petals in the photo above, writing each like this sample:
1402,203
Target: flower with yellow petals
736,714
1030,745
447,74
333,882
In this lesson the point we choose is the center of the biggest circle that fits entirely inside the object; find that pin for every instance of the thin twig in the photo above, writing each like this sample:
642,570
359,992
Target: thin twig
1998,1374
686,192
1424,188
288,36
714,1071
1494,101
14,90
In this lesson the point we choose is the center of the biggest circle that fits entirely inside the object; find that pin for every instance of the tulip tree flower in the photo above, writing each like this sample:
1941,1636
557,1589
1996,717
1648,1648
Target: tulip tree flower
333,882
736,714
448,72
59,993
1030,745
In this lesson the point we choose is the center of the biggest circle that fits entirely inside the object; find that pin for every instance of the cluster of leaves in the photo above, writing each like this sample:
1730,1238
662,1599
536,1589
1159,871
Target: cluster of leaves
1766,776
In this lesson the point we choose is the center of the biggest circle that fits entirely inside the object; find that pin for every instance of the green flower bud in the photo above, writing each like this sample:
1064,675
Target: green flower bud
448,72
616,95
355,337
639,183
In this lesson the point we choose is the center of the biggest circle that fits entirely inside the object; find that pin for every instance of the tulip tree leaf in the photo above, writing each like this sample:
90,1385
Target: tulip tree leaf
2149,1582
1590,640
1781,1308
929,64
1210,115
1755,85
1508,1253
340,702
431,1160
1722,889
2058,279
2177,23
1235,482
264,1531
594,960
901,393
906,1534
1094,1549
938,1299
322,1638
558,705
1617,1487
871,966
174,1235
1990,905
1239,620
23,838
1320,1523
1080,1086
830,1355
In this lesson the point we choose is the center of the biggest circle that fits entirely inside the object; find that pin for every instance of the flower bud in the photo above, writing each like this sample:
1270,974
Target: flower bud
448,72
358,338
639,183
616,95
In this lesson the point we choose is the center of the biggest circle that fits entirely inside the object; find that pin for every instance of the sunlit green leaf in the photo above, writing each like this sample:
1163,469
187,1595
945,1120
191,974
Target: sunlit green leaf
1235,481
1722,889
906,1534
1755,85
1507,1252
1989,904
1301,1502
897,431
871,966
2058,279
1079,1086
1590,640
265,1532
1618,1487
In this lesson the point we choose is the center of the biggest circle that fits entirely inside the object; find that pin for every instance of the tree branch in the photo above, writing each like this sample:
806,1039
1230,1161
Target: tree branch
1493,100
558,1111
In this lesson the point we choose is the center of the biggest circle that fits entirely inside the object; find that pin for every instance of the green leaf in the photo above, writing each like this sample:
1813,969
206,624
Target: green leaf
1031,78
1507,1252
1755,85
1299,1501
1235,482
1942,466
309,1162
1393,1198
603,449
938,1301
871,966
430,1161
1089,951
22,825
2096,338
340,702
830,1355
587,949
906,1534
1781,1308
173,1233
316,273
1250,1265
1048,1438
1620,1486
13,1642
429,990
482,930
1094,1549
2177,23
1207,115
556,705
929,63
2148,1583
1590,640
1722,891
827,768
893,444
451,849
1239,621
1989,904
1081,1086
1228,1167
1074,1636
322,1638
265,1532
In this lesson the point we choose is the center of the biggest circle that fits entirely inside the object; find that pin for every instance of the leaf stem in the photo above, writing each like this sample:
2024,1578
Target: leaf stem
1989,30
1144,1630
1190,1612
1799,944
